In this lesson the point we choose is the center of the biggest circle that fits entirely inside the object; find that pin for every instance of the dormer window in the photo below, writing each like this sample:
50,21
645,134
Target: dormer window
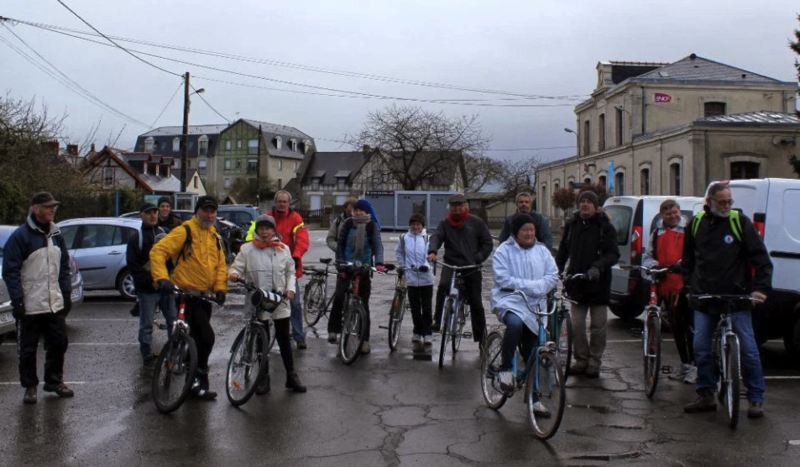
176,144
148,144
293,145
315,183
202,145
277,142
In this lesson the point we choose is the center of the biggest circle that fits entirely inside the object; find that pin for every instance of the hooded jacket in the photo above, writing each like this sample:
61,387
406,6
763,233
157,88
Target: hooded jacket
373,249
588,243
269,268
36,268
136,258
414,253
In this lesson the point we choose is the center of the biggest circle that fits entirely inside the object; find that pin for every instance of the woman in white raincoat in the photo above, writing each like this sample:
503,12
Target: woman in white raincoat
267,264
524,264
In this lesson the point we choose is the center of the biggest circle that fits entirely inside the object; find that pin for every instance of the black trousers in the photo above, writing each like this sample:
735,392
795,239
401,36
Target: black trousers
681,318
421,301
473,282
198,315
54,328
364,291
283,336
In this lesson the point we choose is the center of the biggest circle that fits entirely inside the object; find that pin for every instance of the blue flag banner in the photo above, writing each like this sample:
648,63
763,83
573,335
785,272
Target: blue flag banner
610,178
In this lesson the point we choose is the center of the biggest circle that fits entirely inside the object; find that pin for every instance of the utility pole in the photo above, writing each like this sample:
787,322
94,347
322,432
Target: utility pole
185,142
258,169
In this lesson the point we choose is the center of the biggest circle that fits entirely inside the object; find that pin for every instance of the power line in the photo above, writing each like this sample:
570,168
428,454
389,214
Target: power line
311,67
112,41
209,105
165,107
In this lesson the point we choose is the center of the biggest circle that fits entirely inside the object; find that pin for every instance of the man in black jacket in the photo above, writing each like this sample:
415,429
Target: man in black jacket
524,202
590,244
466,241
720,248
167,220
138,258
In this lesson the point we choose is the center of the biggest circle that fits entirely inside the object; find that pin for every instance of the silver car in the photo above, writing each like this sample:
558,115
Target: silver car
6,318
99,245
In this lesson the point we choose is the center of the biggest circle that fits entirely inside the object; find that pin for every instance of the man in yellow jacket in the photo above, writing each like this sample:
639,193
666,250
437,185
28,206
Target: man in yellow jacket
199,262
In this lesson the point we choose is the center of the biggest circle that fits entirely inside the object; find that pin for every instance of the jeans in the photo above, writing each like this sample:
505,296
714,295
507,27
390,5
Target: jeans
705,324
147,311
54,328
297,315
517,334
589,353
420,299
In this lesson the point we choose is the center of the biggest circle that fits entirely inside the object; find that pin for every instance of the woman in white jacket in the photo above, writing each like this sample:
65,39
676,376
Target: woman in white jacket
412,250
524,264
267,264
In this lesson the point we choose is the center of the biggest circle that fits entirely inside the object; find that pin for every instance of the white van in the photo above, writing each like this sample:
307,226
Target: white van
635,218
772,204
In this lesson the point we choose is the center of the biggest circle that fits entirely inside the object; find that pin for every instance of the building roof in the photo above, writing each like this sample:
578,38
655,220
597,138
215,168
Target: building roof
158,183
695,68
273,128
760,117
331,165
193,130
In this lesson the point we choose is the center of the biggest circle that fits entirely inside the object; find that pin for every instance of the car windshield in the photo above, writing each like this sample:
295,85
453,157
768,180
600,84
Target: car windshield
621,220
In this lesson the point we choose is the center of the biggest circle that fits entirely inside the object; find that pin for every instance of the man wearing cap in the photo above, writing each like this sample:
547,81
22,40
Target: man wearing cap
290,226
524,202
199,266
589,243
36,272
148,296
467,242
167,220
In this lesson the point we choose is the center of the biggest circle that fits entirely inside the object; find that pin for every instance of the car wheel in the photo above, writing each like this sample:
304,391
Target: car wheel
125,285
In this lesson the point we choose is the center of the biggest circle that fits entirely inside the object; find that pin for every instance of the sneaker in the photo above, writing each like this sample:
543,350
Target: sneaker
365,349
293,383
592,372
30,395
540,410
680,375
436,327
705,402
506,378
301,344
416,338
756,410
149,363
427,340
576,370
333,338
61,389
691,375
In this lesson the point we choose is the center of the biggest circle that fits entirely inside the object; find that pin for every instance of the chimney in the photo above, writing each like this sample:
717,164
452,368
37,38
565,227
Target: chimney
72,150
366,149
144,169
93,149
52,146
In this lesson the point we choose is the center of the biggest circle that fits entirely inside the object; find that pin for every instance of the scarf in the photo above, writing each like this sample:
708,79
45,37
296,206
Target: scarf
358,239
261,244
457,220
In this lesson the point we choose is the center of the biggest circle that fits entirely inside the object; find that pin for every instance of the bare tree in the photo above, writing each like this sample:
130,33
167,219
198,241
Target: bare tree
415,146
482,171
518,176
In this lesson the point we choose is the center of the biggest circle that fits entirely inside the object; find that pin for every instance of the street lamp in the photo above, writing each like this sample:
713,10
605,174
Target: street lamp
185,143
577,149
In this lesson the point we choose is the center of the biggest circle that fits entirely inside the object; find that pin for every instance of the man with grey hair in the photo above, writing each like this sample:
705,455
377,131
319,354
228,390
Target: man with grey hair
524,201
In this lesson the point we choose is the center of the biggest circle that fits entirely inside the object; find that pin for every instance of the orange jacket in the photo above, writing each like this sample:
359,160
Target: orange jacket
289,225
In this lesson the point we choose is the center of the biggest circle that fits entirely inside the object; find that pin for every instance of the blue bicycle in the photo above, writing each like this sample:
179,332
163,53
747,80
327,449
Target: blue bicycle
455,313
542,377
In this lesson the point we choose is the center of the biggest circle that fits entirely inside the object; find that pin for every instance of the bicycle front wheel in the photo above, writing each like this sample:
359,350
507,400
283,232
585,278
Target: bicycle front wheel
490,372
396,317
651,339
457,329
447,317
352,331
733,375
313,302
174,373
545,396
564,340
247,363
270,335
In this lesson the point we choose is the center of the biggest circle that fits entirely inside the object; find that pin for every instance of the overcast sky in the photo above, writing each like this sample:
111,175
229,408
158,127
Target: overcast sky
544,48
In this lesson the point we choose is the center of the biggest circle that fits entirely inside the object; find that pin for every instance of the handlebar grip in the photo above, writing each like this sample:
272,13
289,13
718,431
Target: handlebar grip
507,289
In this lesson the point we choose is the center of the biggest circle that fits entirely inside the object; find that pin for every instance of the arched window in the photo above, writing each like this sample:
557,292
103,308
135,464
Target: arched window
149,143
645,181
675,179
619,184
744,170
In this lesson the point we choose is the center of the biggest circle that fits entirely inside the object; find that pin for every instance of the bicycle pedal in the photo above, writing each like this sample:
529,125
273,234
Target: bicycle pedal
162,325
666,369
466,335
383,327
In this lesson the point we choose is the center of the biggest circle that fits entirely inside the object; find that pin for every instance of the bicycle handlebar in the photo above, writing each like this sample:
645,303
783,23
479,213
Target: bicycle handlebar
196,294
730,298
568,277
525,300
392,267
261,294
346,266
458,268
647,270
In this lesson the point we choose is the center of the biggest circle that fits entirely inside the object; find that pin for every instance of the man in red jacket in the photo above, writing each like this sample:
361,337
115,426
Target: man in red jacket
289,225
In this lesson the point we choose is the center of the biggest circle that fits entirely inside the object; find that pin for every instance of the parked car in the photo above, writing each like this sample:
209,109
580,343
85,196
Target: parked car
635,218
6,318
239,214
771,203
99,245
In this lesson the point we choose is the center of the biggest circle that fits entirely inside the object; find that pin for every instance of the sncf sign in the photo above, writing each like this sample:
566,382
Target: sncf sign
661,97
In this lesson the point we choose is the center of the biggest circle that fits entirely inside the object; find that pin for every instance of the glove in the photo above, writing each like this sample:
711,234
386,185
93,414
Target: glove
593,273
67,305
296,262
221,297
381,268
165,286
19,311
675,268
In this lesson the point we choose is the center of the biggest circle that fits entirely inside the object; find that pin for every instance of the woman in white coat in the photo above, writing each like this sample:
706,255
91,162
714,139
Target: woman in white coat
520,263
267,264
412,250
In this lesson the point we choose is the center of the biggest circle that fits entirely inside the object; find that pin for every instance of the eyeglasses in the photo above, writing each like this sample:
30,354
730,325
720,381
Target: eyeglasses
528,230
723,202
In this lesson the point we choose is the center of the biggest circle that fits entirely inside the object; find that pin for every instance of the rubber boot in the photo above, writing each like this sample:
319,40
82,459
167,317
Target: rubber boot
293,382
263,383
200,386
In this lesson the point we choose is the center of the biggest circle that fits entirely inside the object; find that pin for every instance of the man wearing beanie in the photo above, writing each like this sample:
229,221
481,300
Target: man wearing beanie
467,241
524,202
167,220
196,251
589,243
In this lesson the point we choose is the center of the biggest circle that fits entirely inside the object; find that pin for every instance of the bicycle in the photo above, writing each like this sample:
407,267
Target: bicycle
560,324
315,296
399,303
726,354
651,331
249,352
177,363
455,313
542,377
354,314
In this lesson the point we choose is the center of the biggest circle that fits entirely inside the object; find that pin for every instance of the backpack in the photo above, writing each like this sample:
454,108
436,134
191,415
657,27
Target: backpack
736,224
188,243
